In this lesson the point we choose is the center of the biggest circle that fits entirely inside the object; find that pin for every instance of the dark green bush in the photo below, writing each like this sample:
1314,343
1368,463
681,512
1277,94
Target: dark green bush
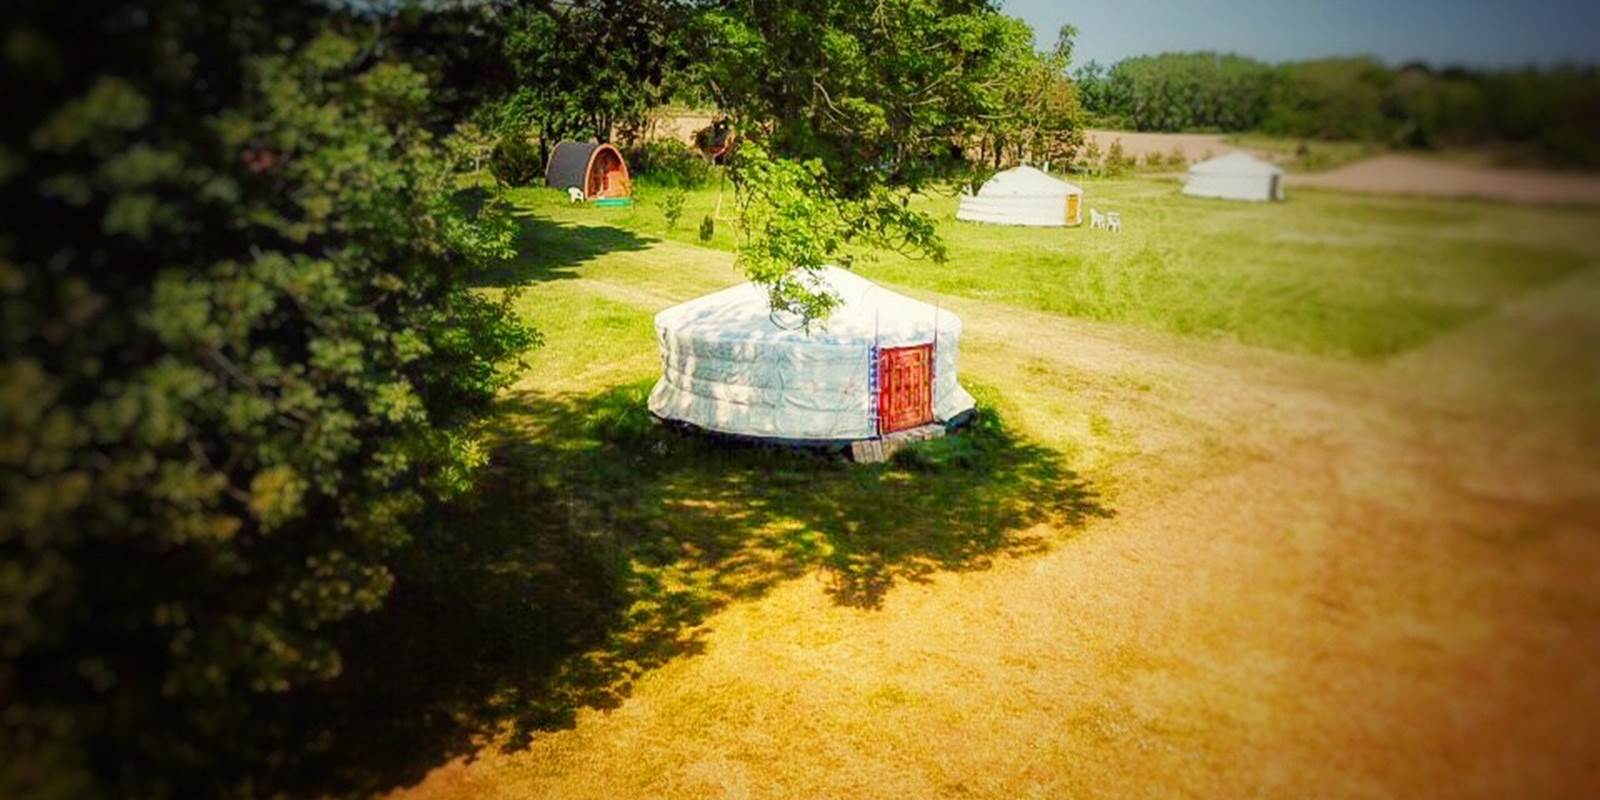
240,359
669,163
515,161
708,228
672,206
1118,162
1177,92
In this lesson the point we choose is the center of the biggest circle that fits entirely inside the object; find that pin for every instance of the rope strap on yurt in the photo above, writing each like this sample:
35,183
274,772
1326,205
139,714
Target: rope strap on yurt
872,380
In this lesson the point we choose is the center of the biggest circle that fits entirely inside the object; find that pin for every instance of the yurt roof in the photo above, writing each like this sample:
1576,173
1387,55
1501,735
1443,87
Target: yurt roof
867,313
1026,182
1235,163
569,164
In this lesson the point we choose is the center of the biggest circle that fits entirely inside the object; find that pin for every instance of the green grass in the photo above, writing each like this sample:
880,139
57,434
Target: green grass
599,544
645,217
1324,273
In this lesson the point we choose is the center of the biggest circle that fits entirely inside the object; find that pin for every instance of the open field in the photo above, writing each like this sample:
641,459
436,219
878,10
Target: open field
1273,500
1195,146
1324,273
1438,177
1201,146
1365,168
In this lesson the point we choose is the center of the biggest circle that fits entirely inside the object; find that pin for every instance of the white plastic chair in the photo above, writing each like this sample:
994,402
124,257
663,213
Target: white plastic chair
574,194
1096,219
1114,222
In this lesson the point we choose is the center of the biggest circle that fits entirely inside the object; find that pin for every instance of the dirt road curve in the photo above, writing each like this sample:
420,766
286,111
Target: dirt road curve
1412,175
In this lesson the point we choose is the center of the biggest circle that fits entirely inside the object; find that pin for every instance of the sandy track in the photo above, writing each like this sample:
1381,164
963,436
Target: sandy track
1413,175
1395,174
1195,146
1324,579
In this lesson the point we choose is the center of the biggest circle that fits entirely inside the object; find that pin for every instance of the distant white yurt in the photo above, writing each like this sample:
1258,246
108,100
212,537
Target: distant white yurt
1024,196
1235,176
881,363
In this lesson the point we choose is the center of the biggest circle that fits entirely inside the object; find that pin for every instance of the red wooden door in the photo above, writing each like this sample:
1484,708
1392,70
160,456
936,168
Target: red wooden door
905,387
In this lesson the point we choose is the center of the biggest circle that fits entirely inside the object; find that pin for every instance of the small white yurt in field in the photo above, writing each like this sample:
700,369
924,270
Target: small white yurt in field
1024,196
881,363
1235,176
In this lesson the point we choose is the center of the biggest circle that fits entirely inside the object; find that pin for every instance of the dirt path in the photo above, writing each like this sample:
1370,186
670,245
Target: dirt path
1413,175
1195,146
1324,579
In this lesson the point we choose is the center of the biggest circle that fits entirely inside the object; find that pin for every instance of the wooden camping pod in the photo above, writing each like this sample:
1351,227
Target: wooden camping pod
597,169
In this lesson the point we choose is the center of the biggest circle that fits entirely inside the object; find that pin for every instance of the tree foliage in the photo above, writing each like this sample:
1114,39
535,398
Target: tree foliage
1554,113
239,354
459,44
469,146
666,162
1329,99
1034,114
515,162
795,222
881,95
588,68
1178,91
850,107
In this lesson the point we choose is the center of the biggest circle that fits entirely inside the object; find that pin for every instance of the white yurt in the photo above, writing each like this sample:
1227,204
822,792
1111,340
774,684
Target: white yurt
1024,196
882,362
1235,176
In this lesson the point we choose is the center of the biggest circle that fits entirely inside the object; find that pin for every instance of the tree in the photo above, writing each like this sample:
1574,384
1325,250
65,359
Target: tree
239,355
459,44
881,97
1066,39
1330,99
1036,114
1551,113
1095,91
589,68
848,109
795,222
1180,91
469,146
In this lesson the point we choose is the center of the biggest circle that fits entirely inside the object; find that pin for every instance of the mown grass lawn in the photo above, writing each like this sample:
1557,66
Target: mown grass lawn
1324,273
587,567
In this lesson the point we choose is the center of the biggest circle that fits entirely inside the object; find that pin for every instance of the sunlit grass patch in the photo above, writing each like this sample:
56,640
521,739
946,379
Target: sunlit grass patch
1326,273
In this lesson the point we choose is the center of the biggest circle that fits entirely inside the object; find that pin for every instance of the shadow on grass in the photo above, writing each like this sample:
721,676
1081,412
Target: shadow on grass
550,249
601,541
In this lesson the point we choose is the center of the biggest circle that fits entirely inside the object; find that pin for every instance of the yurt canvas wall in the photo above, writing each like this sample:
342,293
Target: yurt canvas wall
732,366
1024,196
1235,176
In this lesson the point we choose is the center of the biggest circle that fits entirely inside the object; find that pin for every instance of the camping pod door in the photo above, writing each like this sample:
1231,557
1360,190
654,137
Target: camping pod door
905,387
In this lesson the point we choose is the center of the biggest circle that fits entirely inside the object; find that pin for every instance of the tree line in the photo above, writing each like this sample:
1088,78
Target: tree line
1552,115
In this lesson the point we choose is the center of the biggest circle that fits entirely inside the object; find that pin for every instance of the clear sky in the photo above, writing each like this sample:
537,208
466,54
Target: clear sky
1441,32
